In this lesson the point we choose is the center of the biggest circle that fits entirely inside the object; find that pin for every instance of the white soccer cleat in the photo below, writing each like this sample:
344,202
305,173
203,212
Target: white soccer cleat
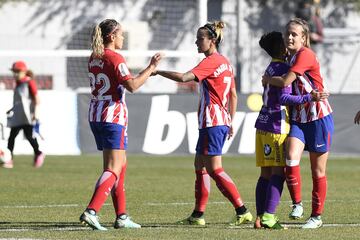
297,211
90,218
313,223
124,221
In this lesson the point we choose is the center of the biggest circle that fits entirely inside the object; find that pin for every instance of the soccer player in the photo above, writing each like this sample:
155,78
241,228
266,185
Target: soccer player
108,117
24,114
312,123
217,94
272,127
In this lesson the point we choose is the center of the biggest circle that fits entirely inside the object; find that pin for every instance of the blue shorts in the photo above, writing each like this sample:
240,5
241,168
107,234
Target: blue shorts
109,135
316,135
211,140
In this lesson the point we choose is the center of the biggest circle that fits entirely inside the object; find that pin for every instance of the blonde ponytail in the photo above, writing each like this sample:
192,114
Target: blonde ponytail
97,44
219,25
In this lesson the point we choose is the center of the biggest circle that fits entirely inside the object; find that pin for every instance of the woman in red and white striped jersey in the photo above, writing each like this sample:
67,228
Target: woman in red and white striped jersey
312,124
217,108
109,76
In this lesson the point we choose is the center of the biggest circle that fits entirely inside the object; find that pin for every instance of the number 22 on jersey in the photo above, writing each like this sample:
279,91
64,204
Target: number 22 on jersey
99,85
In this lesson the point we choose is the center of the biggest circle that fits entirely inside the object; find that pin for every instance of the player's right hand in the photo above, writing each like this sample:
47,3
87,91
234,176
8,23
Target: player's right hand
155,60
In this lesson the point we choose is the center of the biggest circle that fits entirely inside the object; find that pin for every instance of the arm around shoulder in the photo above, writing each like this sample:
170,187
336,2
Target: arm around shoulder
280,81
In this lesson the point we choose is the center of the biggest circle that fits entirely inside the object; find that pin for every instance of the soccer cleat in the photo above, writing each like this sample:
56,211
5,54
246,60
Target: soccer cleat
313,222
257,223
39,160
297,211
241,219
270,221
192,221
90,218
9,164
124,221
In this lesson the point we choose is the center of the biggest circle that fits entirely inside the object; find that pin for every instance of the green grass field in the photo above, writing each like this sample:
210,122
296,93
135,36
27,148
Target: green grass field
46,203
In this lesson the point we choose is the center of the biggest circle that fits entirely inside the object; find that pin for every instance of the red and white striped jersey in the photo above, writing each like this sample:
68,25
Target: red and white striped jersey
215,75
107,76
307,68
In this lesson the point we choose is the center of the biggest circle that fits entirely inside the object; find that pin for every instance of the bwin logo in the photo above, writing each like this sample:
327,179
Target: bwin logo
267,149
167,129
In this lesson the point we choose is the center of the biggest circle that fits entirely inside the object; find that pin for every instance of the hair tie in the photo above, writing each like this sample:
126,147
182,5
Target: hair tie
211,30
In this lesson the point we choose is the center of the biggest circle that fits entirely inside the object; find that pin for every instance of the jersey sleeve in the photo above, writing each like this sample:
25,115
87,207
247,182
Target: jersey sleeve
202,70
288,99
122,72
303,62
32,87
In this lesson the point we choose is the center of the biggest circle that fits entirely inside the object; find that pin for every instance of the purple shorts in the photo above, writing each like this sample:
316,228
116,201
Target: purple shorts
109,135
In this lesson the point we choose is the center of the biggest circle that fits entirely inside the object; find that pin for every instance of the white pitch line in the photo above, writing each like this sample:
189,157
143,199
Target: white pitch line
154,204
42,206
44,228
47,206
298,226
289,202
20,239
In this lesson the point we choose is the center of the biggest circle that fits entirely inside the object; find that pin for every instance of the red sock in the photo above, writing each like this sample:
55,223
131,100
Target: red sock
227,187
293,180
118,193
318,195
102,190
202,190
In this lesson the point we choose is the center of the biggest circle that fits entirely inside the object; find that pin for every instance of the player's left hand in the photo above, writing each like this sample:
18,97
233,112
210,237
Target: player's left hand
319,96
231,132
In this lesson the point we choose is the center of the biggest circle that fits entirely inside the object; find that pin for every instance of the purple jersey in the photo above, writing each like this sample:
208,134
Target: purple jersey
274,116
